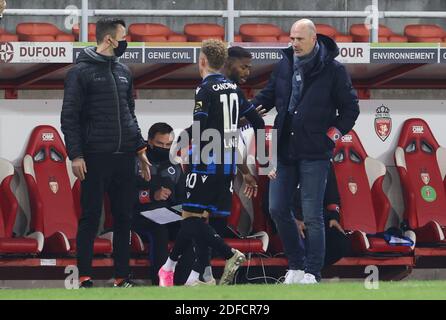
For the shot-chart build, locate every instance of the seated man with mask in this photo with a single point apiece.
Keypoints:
(165, 189)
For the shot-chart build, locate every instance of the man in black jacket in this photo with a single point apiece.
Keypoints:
(167, 188)
(315, 104)
(102, 137)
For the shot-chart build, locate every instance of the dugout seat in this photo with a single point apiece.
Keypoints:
(424, 33)
(364, 205)
(32, 243)
(360, 33)
(197, 32)
(421, 164)
(154, 32)
(54, 193)
(41, 32)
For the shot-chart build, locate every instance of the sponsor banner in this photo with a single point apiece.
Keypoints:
(265, 55)
(404, 55)
(443, 55)
(131, 55)
(354, 53)
(169, 55)
(36, 52)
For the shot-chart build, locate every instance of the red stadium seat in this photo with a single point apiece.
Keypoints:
(5, 36)
(91, 32)
(343, 38)
(54, 193)
(197, 32)
(260, 32)
(424, 33)
(333, 33)
(238, 38)
(31, 244)
(421, 164)
(153, 32)
(364, 205)
(284, 38)
(360, 33)
(41, 32)
(326, 30)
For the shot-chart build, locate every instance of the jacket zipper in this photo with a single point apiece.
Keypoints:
(115, 92)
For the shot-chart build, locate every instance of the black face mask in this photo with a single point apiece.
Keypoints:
(161, 154)
(122, 46)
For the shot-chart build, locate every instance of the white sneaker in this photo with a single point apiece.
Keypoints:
(231, 266)
(293, 276)
(308, 279)
(196, 283)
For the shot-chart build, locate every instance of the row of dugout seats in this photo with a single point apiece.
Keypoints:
(54, 198)
(196, 32)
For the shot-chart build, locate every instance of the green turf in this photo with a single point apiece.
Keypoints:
(339, 290)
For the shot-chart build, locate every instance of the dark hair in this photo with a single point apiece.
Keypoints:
(107, 26)
(238, 53)
(159, 127)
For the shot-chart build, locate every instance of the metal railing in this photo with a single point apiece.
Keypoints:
(230, 14)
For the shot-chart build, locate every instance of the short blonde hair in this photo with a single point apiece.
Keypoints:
(216, 53)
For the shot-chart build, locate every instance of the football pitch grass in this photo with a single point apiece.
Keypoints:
(403, 290)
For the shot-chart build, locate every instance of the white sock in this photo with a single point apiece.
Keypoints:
(207, 275)
(170, 265)
(193, 276)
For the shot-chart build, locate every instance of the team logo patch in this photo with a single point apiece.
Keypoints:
(53, 184)
(48, 136)
(144, 196)
(428, 194)
(352, 186)
(418, 129)
(347, 138)
(383, 122)
(198, 106)
(171, 170)
(425, 177)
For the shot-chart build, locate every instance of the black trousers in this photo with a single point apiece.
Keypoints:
(337, 245)
(196, 230)
(158, 237)
(115, 174)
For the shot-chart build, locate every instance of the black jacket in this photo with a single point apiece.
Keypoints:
(326, 88)
(98, 112)
(164, 174)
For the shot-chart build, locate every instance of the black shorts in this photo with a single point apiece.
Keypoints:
(212, 193)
